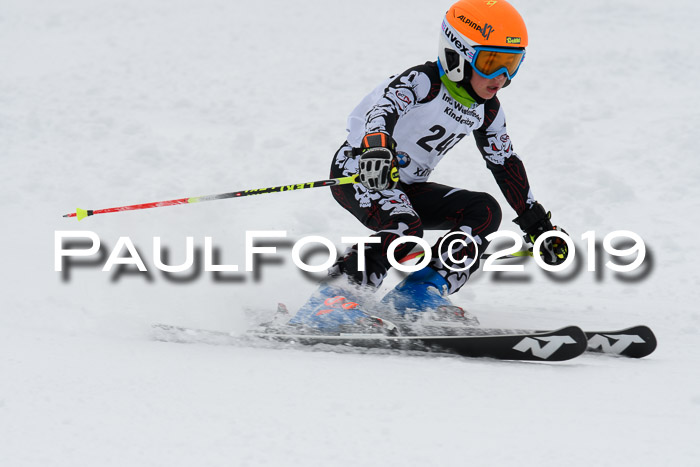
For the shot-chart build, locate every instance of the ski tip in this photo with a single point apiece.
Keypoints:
(634, 342)
(81, 214)
(641, 349)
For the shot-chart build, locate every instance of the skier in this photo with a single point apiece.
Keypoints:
(396, 136)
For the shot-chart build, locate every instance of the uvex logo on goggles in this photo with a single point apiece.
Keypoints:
(455, 40)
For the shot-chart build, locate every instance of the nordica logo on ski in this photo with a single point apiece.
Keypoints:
(552, 344)
(616, 344)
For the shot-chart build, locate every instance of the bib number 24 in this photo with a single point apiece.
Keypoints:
(436, 140)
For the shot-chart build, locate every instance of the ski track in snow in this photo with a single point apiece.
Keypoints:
(113, 103)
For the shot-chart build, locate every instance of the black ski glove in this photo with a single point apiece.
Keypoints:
(536, 221)
(378, 168)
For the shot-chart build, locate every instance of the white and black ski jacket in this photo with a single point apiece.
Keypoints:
(416, 109)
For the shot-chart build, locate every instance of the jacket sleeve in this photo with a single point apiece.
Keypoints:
(497, 150)
(415, 86)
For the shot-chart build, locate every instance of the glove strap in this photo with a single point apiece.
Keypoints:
(377, 140)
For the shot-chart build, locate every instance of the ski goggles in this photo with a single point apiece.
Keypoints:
(490, 62)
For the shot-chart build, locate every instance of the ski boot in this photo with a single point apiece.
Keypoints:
(423, 295)
(334, 307)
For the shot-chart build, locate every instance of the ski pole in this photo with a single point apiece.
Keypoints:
(420, 254)
(83, 213)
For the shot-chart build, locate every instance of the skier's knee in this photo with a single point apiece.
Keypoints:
(492, 212)
(495, 209)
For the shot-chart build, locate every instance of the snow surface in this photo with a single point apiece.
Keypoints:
(107, 103)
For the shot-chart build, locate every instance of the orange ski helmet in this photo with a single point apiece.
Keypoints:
(488, 36)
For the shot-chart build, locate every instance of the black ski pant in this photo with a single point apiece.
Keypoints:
(410, 209)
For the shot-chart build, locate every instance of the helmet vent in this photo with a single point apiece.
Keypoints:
(452, 59)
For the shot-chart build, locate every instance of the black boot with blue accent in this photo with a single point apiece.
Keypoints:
(425, 292)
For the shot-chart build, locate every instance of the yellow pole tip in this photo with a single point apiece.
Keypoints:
(81, 214)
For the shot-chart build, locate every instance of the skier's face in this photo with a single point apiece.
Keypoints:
(487, 88)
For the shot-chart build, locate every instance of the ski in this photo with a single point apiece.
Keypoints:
(507, 344)
(634, 342)
(558, 345)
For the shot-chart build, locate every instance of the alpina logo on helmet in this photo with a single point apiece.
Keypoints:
(485, 31)
(512, 40)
